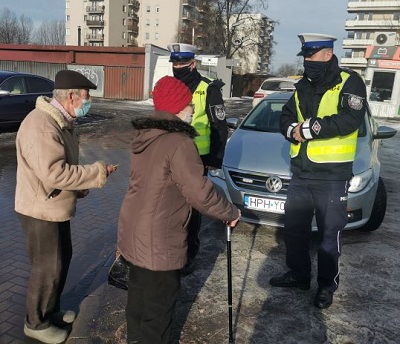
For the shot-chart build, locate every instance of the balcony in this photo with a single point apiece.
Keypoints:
(132, 42)
(94, 37)
(187, 17)
(373, 6)
(133, 28)
(371, 24)
(134, 4)
(189, 3)
(133, 17)
(352, 62)
(95, 9)
(357, 43)
(95, 23)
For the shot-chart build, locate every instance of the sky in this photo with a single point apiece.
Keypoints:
(305, 16)
(294, 16)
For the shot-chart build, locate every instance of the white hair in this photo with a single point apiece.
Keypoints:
(61, 95)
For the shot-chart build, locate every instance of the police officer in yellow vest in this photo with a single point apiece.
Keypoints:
(208, 120)
(321, 121)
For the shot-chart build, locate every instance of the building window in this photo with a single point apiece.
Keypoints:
(148, 9)
(124, 35)
(124, 21)
(157, 9)
(67, 4)
(124, 8)
(147, 35)
(382, 86)
(67, 32)
(67, 17)
(157, 22)
(396, 16)
(156, 36)
(147, 22)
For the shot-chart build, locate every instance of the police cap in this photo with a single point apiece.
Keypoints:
(314, 42)
(181, 52)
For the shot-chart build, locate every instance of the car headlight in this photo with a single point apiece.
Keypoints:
(360, 181)
(218, 173)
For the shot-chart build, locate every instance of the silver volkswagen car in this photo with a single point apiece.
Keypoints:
(256, 168)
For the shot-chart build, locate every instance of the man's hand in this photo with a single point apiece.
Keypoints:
(111, 169)
(296, 133)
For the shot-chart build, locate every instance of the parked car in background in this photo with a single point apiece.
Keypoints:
(272, 85)
(255, 173)
(18, 93)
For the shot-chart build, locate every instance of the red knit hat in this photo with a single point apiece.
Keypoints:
(171, 95)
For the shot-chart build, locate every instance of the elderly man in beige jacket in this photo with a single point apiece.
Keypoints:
(49, 181)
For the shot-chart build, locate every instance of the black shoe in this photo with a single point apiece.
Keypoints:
(323, 299)
(288, 280)
(188, 268)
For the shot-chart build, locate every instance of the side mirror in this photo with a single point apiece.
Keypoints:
(4, 93)
(384, 132)
(232, 122)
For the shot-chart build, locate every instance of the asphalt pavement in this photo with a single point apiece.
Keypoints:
(365, 309)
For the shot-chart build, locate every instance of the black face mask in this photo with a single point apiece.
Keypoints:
(315, 70)
(182, 73)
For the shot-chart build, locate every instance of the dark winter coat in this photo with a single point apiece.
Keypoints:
(347, 120)
(166, 181)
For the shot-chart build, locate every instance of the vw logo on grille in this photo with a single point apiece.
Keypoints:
(273, 184)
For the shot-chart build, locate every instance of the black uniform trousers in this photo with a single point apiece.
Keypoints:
(49, 250)
(328, 201)
(151, 303)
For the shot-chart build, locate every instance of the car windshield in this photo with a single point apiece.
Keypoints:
(266, 117)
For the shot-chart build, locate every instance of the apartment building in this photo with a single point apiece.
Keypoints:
(102, 23)
(125, 23)
(134, 23)
(374, 22)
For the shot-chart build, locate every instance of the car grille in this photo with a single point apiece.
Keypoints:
(256, 182)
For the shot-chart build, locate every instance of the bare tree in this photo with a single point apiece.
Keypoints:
(288, 69)
(234, 17)
(25, 30)
(50, 33)
(14, 30)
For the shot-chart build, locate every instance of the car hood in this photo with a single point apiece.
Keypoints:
(269, 153)
(258, 152)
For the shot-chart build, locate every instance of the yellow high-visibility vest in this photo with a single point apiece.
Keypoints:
(333, 150)
(200, 119)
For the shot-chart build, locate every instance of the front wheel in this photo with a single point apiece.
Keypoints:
(378, 209)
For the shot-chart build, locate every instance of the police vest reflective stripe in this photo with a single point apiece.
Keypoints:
(336, 149)
(200, 119)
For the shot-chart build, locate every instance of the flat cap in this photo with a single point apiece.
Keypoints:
(314, 42)
(181, 52)
(69, 79)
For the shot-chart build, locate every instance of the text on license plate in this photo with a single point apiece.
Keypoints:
(264, 204)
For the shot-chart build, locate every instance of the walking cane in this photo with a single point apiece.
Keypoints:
(229, 259)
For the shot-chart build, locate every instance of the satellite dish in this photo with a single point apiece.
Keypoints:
(381, 38)
(237, 42)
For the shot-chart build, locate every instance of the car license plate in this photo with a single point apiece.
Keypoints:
(264, 204)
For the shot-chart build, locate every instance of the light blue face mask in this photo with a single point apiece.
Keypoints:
(82, 111)
(188, 118)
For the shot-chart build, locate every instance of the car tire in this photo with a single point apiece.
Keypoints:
(378, 209)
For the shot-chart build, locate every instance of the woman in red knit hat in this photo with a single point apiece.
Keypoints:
(166, 181)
